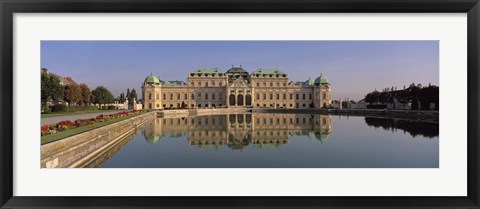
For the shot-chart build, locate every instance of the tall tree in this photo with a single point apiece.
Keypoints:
(122, 97)
(133, 95)
(72, 93)
(102, 95)
(128, 94)
(86, 94)
(51, 89)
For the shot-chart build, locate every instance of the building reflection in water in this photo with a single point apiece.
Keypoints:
(414, 128)
(237, 131)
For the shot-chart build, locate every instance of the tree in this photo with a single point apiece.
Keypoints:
(122, 97)
(128, 94)
(72, 93)
(86, 94)
(51, 89)
(133, 95)
(429, 95)
(102, 95)
(373, 97)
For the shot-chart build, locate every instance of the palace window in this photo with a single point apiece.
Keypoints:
(297, 96)
(192, 84)
(206, 84)
(258, 84)
(303, 96)
(164, 97)
(278, 96)
(264, 96)
(258, 96)
(157, 96)
(291, 96)
(193, 96)
(271, 84)
(278, 84)
(324, 96)
(185, 97)
(149, 95)
(206, 96)
(264, 84)
(309, 96)
(284, 84)
(271, 96)
(213, 96)
(284, 96)
(200, 84)
(199, 95)
(178, 96)
(171, 96)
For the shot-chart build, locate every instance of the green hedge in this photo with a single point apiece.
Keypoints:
(64, 108)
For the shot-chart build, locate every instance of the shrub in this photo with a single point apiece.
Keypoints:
(59, 108)
(64, 108)
(111, 107)
(377, 106)
(47, 109)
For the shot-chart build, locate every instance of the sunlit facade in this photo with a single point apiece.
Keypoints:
(213, 88)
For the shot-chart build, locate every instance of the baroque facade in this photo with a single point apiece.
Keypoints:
(213, 88)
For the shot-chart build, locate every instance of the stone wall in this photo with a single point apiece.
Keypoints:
(73, 150)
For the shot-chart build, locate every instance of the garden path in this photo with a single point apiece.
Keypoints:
(52, 120)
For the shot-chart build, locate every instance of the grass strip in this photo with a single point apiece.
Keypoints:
(74, 131)
(49, 115)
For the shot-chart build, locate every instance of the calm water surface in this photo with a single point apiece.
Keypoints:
(278, 141)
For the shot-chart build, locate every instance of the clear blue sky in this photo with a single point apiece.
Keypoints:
(354, 68)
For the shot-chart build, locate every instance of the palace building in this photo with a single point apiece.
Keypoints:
(213, 88)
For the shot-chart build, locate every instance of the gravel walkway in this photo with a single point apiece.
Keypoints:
(52, 120)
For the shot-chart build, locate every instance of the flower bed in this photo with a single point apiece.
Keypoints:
(65, 125)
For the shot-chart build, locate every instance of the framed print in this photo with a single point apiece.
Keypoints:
(194, 104)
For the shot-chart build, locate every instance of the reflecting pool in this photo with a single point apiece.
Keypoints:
(277, 141)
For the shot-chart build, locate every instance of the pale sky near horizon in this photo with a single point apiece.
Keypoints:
(353, 68)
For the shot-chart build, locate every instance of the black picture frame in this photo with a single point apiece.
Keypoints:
(10, 7)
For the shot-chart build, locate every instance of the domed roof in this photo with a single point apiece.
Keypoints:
(151, 79)
(321, 80)
(236, 70)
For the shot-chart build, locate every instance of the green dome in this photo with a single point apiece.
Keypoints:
(151, 79)
(321, 80)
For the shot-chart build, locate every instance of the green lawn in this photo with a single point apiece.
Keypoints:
(70, 132)
(55, 114)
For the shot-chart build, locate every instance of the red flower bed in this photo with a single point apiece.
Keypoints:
(65, 125)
